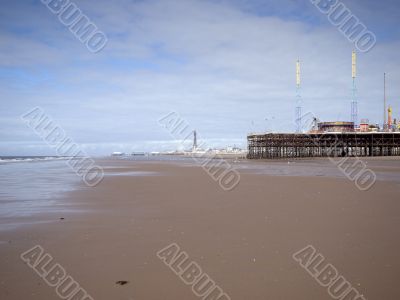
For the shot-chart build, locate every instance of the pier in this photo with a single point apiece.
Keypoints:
(298, 145)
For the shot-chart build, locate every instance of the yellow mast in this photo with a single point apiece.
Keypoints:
(353, 64)
(389, 117)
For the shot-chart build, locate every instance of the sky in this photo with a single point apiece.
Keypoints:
(227, 67)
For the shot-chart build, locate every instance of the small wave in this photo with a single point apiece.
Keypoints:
(4, 160)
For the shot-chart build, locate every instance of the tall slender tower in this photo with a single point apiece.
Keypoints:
(354, 104)
(298, 99)
(384, 101)
(194, 141)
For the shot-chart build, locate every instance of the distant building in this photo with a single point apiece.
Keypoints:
(364, 125)
(117, 154)
(339, 126)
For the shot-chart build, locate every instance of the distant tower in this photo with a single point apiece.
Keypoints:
(384, 101)
(194, 141)
(354, 104)
(298, 99)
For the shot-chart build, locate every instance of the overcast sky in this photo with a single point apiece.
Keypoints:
(227, 67)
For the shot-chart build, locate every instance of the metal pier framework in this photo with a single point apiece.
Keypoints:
(298, 145)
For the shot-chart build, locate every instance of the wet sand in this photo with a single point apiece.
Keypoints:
(244, 239)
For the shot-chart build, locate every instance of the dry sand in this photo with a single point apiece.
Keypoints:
(244, 239)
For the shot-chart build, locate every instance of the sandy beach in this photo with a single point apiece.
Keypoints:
(243, 239)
